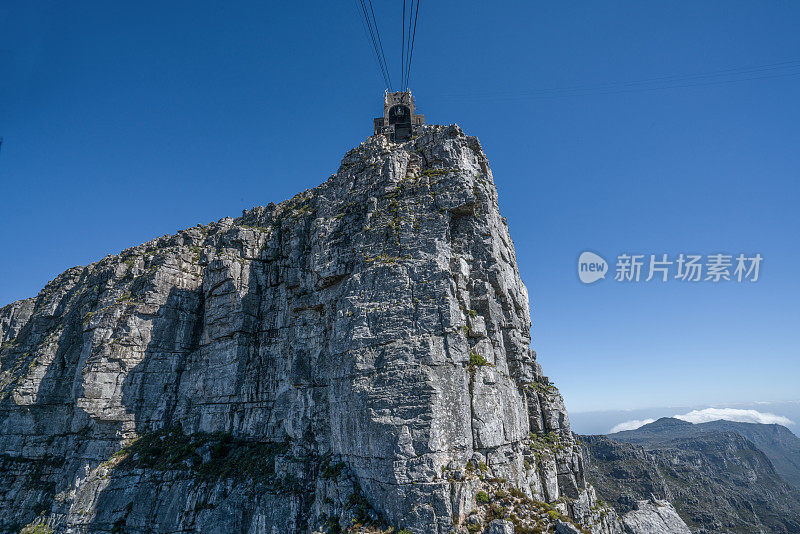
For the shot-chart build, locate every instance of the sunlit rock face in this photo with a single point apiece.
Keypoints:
(356, 355)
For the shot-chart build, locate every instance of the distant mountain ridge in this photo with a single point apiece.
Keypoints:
(717, 478)
(777, 442)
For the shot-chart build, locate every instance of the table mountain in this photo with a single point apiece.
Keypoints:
(354, 358)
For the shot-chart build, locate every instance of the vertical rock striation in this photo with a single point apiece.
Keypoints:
(357, 355)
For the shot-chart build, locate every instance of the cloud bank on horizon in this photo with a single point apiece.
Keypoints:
(734, 414)
(713, 414)
(633, 424)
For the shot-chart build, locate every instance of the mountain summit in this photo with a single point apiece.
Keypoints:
(356, 357)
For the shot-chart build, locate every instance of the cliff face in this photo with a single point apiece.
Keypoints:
(358, 354)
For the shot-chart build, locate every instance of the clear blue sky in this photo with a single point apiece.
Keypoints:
(645, 127)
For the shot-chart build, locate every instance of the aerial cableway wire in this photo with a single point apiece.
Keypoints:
(408, 41)
(374, 36)
(370, 24)
(403, 48)
(375, 23)
(411, 36)
(372, 32)
(366, 33)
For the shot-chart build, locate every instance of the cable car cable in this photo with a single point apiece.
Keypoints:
(372, 38)
(366, 33)
(378, 33)
(375, 48)
(413, 38)
(411, 52)
(403, 46)
(407, 41)
(384, 71)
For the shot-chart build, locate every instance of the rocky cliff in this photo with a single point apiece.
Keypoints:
(356, 357)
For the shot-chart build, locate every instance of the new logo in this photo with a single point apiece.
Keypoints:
(591, 267)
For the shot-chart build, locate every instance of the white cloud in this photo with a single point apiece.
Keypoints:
(633, 424)
(733, 414)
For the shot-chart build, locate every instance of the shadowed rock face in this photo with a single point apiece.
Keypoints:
(624, 473)
(357, 353)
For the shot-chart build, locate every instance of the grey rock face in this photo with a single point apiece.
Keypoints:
(14, 317)
(654, 517)
(499, 526)
(356, 355)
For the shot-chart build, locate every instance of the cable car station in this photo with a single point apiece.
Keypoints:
(400, 119)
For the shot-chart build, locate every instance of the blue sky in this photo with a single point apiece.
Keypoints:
(637, 127)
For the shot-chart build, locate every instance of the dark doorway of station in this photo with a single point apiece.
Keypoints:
(400, 118)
